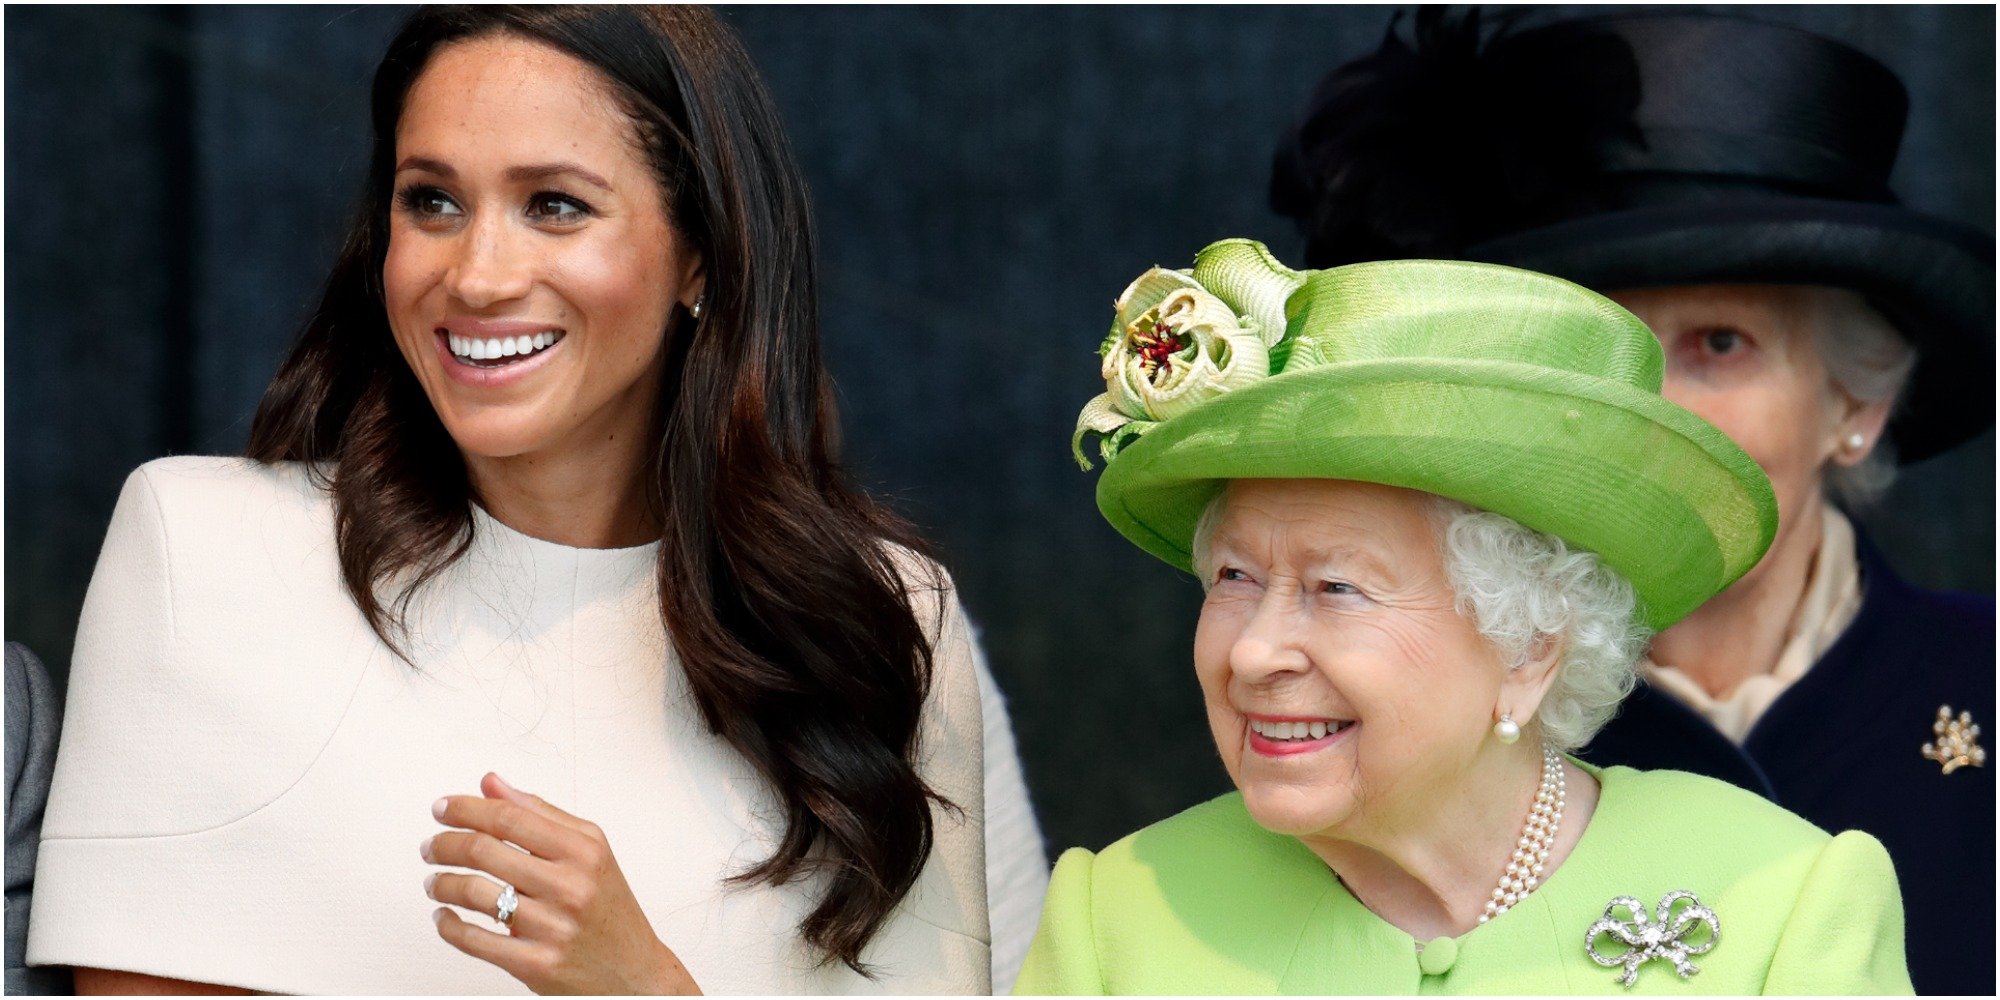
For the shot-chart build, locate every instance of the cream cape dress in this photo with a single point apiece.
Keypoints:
(246, 771)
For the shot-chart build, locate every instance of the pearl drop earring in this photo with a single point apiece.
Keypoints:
(700, 306)
(1507, 730)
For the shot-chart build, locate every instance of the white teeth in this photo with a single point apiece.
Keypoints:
(1295, 730)
(475, 349)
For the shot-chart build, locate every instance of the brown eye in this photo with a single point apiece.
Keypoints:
(426, 202)
(556, 207)
(1721, 341)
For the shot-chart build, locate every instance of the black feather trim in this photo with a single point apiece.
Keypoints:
(1426, 147)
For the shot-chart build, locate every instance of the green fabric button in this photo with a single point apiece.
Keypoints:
(1437, 957)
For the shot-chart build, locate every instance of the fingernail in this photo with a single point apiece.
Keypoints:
(437, 915)
(503, 782)
(424, 849)
(430, 885)
(437, 808)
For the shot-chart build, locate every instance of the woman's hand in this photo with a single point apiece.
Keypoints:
(576, 928)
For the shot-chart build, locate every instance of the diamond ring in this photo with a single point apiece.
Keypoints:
(503, 909)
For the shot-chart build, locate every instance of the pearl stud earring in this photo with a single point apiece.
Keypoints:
(1507, 730)
(1855, 441)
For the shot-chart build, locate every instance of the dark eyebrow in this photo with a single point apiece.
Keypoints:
(530, 172)
(543, 171)
(426, 165)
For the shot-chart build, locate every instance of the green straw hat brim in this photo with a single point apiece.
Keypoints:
(1662, 497)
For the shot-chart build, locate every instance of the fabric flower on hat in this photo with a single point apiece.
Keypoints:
(1184, 337)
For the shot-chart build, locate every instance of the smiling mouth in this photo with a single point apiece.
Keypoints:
(499, 352)
(1299, 732)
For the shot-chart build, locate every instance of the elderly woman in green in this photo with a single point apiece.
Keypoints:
(1438, 508)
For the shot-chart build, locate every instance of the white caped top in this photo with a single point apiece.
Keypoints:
(246, 771)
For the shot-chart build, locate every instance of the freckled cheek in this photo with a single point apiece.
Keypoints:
(411, 273)
(623, 297)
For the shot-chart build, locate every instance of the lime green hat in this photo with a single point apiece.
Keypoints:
(1508, 390)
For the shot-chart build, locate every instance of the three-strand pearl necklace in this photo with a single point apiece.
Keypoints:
(1538, 836)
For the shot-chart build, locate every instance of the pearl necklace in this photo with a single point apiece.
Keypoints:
(1531, 852)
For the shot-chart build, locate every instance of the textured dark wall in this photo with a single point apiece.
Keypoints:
(985, 182)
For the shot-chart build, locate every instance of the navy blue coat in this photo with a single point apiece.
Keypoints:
(1842, 749)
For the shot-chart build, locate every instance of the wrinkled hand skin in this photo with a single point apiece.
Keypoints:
(577, 928)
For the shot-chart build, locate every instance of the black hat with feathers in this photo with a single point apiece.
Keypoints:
(1644, 150)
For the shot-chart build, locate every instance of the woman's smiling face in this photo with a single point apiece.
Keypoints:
(1329, 610)
(532, 268)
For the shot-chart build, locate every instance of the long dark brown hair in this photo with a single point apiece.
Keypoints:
(785, 606)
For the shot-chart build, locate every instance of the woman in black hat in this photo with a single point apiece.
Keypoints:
(1727, 181)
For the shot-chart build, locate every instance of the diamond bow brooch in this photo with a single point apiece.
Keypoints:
(1675, 936)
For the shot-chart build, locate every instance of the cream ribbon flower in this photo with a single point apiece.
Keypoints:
(1182, 338)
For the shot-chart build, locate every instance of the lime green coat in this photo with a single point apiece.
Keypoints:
(1210, 902)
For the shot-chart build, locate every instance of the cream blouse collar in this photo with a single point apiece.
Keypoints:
(1832, 599)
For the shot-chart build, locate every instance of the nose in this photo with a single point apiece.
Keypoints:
(492, 265)
(1271, 643)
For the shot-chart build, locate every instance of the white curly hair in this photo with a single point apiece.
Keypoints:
(1517, 586)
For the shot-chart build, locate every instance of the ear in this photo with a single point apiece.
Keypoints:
(1526, 684)
(1855, 417)
(694, 272)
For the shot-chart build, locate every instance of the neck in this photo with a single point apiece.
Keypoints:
(1739, 633)
(1430, 873)
(590, 497)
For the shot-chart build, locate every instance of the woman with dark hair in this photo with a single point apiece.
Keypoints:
(547, 489)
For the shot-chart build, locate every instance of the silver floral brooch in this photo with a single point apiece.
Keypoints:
(1675, 936)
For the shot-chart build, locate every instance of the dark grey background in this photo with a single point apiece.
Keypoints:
(985, 182)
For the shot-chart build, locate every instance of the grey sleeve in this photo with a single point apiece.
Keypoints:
(34, 719)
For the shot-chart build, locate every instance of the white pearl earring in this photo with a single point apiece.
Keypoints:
(700, 306)
(1855, 441)
(1506, 730)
